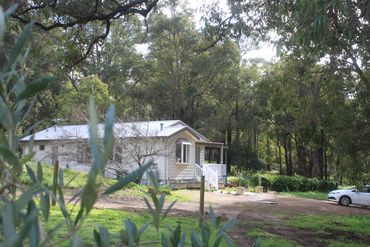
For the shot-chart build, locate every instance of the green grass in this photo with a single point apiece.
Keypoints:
(113, 220)
(72, 179)
(270, 240)
(329, 223)
(308, 195)
(178, 195)
(76, 180)
(345, 243)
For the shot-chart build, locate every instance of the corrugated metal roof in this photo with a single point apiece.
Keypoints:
(163, 128)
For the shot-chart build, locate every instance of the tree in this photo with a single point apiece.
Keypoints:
(134, 147)
(73, 16)
(73, 103)
(181, 83)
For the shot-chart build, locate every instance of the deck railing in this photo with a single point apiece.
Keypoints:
(211, 175)
(220, 168)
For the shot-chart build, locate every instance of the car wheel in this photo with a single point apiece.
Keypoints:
(345, 201)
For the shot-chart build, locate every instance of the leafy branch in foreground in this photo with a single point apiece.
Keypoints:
(26, 208)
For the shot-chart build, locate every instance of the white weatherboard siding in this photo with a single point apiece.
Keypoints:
(154, 139)
(67, 154)
(134, 151)
(181, 171)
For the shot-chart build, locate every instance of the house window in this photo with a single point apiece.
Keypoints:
(42, 147)
(182, 151)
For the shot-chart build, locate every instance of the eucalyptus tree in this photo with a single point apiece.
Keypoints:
(182, 82)
(312, 113)
(86, 22)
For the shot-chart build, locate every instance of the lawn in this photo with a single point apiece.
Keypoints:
(267, 239)
(291, 228)
(113, 220)
(336, 230)
(331, 223)
(76, 180)
(308, 195)
(72, 179)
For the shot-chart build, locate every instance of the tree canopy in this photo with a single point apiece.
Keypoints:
(307, 113)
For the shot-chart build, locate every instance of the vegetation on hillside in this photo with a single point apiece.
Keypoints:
(305, 113)
(28, 206)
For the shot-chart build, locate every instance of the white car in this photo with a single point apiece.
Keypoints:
(351, 196)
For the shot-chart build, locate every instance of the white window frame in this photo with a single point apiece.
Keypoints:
(185, 152)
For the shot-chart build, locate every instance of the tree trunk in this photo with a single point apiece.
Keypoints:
(268, 152)
(325, 164)
(279, 155)
(237, 153)
(255, 149)
(301, 158)
(288, 155)
(320, 154)
(310, 164)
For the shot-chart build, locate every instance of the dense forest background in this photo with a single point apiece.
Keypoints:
(306, 113)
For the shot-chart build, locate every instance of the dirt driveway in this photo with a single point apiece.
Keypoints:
(265, 210)
(234, 205)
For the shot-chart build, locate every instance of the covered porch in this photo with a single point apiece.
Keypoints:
(210, 161)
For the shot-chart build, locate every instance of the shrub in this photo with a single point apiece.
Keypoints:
(286, 183)
(282, 183)
(264, 180)
(233, 181)
(165, 189)
(326, 185)
(309, 184)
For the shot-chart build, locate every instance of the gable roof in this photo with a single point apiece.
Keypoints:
(165, 128)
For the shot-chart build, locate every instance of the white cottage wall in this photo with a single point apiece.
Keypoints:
(67, 154)
(178, 171)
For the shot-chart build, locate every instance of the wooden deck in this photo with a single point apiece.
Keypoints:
(184, 184)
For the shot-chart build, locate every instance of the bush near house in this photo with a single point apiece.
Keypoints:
(233, 181)
(290, 183)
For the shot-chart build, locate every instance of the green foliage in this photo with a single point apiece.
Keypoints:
(309, 194)
(291, 183)
(176, 238)
(73, 179)
(269, 239)
(20, 215)
(158, 200)
(233, 181)
(25, 207)
(131, 235)
(74, 102)
(327, 223)
(213, 233)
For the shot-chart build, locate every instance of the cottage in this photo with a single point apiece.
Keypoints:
(180, 153)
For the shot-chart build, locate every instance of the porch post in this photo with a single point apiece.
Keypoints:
(222, 155)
